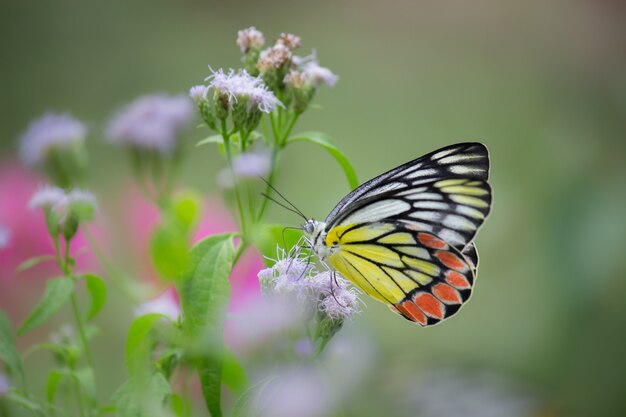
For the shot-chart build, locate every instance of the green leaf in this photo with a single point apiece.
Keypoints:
(187, 209)
(210, 374)
(233, 374)
(97, 290)
(169, 249)
(8, 350)
(34, 261)
(326, 142)
(23, 401)
(269, 238)
(243, 405)
(204, 288)
(180, 406)
(217, 139)
(86, 379)
(205, 291)
(54, 379)
(138, 343)
(142, 397)
(58, 291)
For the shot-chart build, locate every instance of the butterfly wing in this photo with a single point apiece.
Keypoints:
(420, 276)
(444, 192)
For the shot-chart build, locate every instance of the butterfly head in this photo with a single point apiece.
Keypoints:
(315, 234)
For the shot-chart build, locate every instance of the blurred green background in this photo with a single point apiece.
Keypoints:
(542, 84)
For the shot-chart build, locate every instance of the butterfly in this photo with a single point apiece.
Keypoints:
(406, 237)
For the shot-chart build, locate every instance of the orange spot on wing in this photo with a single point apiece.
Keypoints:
(411, 311)
(457, 280)
(429, 305)
(431, 241)
(446, 293)
(451, 260)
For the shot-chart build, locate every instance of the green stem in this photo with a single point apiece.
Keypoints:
(81, 331)
(79, 321)
(79, 398)
(128, 287)
(229, 161)
(279, 144)
(240, 250)
(292, 123)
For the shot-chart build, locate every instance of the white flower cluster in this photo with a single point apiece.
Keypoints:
(309, 70)
(293, 275)
(151, 122)
(50, 197)
(48, 132)
(250, 38)
(240, 85)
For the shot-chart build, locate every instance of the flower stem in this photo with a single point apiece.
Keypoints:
(229, 160)
(279, 143)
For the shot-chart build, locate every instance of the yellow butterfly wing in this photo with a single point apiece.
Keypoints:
(406, 236)
(420, 276)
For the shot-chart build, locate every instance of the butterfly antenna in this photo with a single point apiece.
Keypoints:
(283, 197)
(297, 212)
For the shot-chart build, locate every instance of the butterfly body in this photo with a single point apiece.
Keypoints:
(406, 237)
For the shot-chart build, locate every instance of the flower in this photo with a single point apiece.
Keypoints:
(250, 38)
(302, 391)
(48, 197)
(295, 79)
(252, 164)
(317, 75)
(48, 132)
(151, 122)
(241, 86)
(337, 300)
(30, 238)
(65, 334)
(294, 275)
(278, 56)
(5, 384)
(287, 275)
(82, 204)
(77, 196)
(198, 93)
(166, 304)
(5, 236)
(139, 218)
(289, 40)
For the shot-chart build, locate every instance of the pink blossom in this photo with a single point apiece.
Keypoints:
(139, 218)
(28, 237)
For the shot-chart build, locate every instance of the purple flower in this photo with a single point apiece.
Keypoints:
(151, 122)
(235, 86)
(303, 392)
(47, 132)
(273, 58)
(252, 164)
(318, 75)
(5, 384)
(250, 38)
(326, 291)
(198, 93)
(47, 197)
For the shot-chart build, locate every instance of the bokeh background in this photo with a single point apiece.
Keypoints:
(542, 84)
